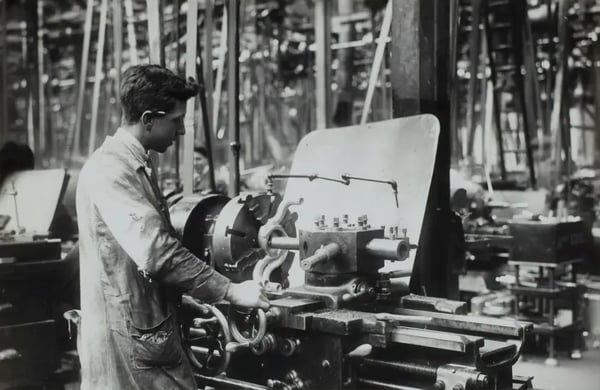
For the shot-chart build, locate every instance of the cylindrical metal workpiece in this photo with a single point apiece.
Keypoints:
(322, 254)
(388, 249)
(284, 243)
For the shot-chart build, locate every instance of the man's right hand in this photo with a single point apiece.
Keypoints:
(247, 294)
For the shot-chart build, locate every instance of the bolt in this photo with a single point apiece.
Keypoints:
(345, 218)
(404, 230)
(458, 386)
(483, 381)
(336, 222)
(325, 364)
(439, 385)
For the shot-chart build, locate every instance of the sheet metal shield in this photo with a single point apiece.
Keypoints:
(401, 149)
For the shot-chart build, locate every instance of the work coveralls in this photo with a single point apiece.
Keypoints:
(133, 271)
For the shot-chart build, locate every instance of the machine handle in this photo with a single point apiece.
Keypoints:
(323, 254)
(9, 354)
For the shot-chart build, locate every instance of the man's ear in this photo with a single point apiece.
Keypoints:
(147, 119)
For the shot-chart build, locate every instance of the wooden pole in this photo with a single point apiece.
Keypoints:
(220, 71)
(233, 92)
(74, 138)
(475, 49)
(343, 111)
(208, 58)
(98, 76)
(378, 60)
(4, 76)
(131, 37)
(596, 89)
(157, 54)
(556, 116)
(456, 146)
(323, 62)
(40, 78)
(189, 120)
(33, 75)
(117, 19)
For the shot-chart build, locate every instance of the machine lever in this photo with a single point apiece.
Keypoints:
(235, 346)
(360, 351)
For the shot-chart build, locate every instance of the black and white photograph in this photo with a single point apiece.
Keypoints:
(299, 194)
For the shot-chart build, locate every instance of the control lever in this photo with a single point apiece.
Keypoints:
(9, 354)
(360, 351)
(235, 346)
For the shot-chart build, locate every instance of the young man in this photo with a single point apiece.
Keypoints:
(133, 267)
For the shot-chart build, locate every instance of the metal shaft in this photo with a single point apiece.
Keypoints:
(323, 254)
(388, 249)
(284, 243)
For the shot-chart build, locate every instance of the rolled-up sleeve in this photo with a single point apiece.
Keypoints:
(138, 227)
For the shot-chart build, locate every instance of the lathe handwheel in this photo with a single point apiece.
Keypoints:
(256, 334)
(205, 341)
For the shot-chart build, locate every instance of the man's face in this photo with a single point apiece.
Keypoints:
(165, 129)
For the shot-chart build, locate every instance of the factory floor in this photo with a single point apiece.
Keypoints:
(583, 374)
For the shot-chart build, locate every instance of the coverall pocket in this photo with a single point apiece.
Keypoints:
(158, 346)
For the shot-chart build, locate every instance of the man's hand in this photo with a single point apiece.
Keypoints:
(247, 294)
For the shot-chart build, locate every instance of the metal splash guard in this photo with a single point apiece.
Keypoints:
(402, 150)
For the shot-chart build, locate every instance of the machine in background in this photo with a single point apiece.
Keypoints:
(31, 271)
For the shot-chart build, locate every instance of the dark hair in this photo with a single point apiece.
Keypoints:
(154, 88)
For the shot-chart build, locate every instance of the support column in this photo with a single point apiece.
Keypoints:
(323, 62)
(117, 17)
(233, 92)
(3, 75)
(420, 71)
(208, 57)
(345, 98)
(191, 45)
(596, 80)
